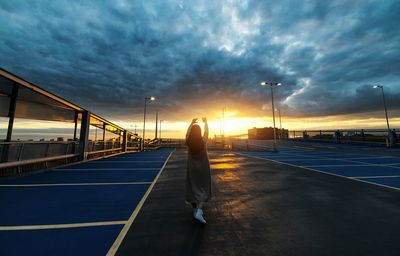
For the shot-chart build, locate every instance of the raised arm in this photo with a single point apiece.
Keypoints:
(190, 127)
(205, 136)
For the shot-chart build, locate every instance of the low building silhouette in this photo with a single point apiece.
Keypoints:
(267, 133)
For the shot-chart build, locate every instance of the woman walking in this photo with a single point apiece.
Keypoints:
(198, 178)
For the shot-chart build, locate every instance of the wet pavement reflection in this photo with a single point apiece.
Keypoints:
(224, 161)
(261, 207)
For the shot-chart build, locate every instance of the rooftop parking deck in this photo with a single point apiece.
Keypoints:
(264, 207)
(263, 204)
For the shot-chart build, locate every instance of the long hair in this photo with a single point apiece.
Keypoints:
(195, 142)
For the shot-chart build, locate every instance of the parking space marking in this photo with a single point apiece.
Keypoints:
(325, 156)
(58, 226)
(373, 177)
(129, 161)
(75, 184)
(109, 169)
(333, 165)
(304, 147)
(103, 201)
(113, 249)
(138, 157)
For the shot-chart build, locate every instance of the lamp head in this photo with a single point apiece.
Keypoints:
(377, 86)
(152, 98)
(263, 83)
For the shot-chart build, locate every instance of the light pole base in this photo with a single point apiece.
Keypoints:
(274, 148)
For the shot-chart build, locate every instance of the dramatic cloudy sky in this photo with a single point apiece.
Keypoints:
(198, 56)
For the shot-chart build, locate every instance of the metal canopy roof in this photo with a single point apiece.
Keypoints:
(34, 88)
(34, 102)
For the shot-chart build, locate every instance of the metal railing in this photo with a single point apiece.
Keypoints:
(172, 142)
(242, 144)
(133, 145)
(365, 136)
(102, 148)
(28, 150)
(19, 157)
(96, 146)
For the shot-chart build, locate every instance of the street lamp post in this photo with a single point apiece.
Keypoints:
(384, 104)
(156, 132)
(280, 119)
(144, 119)
(280, 123)
(273, 109)
(160, 128)
(223, 121)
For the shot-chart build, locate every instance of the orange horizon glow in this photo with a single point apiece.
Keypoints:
(234, 124)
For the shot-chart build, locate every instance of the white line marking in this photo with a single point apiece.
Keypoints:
(55, 226)
(106, 161)
(319, 159)
(372, 177)
(295, 159)
(304, 147)
(344, 159)
(338, 165)
(315, 170)
(371, 164)
(139, 157)
(371, 157)
(348, 153)
(325, 147)
(127, 226)
(107, 169)
(74, 184)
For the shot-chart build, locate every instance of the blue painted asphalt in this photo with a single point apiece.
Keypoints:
(71, 241)
(380, 170)
(384, 161)
(391, 182)
(115, 165)
(84, 176)
(360, 171)
(316, 161)
(366, 146)
(60, 197)
(68, 204)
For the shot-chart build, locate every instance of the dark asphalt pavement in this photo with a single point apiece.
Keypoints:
(266, 208)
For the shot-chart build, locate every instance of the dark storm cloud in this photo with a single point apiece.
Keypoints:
(196, 54)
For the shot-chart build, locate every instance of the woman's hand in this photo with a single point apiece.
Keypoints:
(194, 120)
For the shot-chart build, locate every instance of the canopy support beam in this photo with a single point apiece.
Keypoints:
(11, 115)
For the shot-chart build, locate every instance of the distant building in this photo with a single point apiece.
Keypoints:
(267, 133)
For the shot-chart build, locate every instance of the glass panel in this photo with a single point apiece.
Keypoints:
(3, 128)
(5, 86)
(96, 122)
(34, 130)
(39, 111)
(4, 105)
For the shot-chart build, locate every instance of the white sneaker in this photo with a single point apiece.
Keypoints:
(198, 215)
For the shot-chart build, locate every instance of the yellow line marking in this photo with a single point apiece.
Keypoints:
(55, 226)
(127, 226)
(74, 184)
